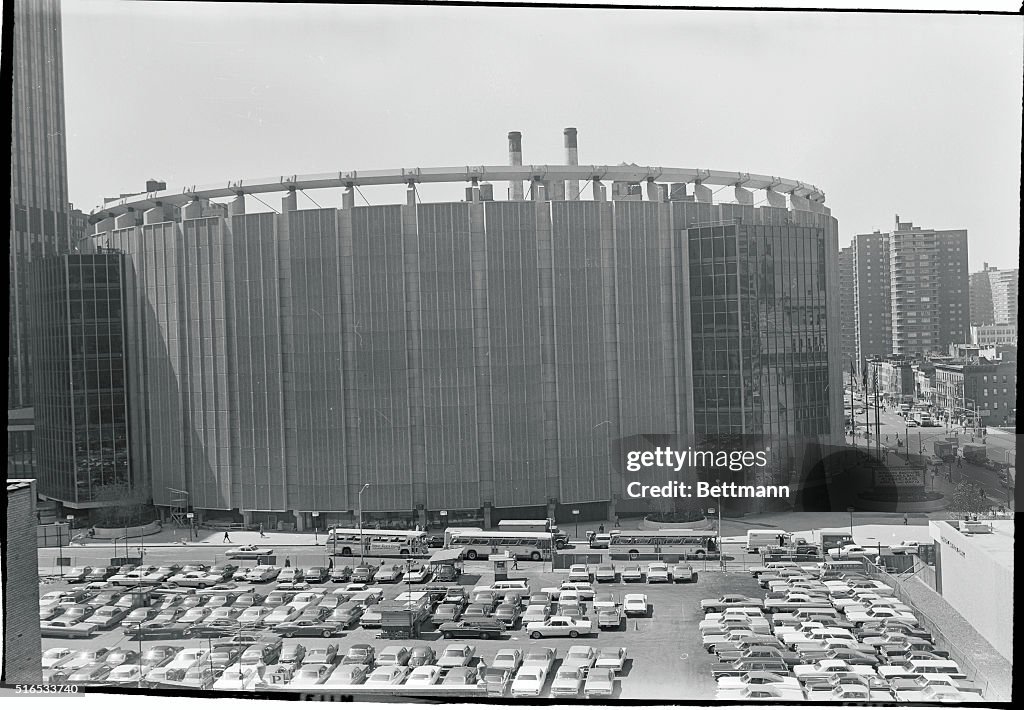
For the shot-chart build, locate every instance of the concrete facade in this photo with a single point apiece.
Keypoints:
(462, 356)
(848, 306)
(994, 294)
(962, 560)
(22, 653)
(988, 387)
(872, 309)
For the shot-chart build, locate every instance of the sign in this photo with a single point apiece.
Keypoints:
(711, 511)
(900, 477)
(575, 511)
(189, 515)
(71, 517)
(444, 512)
(315, 514)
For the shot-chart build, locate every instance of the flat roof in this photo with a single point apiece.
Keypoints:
(997, 544)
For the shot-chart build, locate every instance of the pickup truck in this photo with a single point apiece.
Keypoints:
(560, 626)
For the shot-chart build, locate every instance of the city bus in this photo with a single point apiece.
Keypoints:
(477, 543)
(686, 543)
(548, 525)
(377, 543)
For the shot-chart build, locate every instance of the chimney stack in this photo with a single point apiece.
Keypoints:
(515, 157)
(572, 187)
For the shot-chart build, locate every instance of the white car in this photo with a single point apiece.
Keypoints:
(848, 551)
(878, 613)
(417, 575)
(387, 675)
(199, 580)
(760, 693)
(529, 681)
(657, 572)
(424, 675)
(456, 654)
(579, 573)
(614, 658)
(635, 604)
(310, 674)
(536, 613)
(254, 615)
(756, 678)
(904, 547)
(560, 626)
(126, 674)
(540, 657)
(55, 657)
(281, 614)
(828, 667)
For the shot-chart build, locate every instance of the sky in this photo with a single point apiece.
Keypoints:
(910, 114)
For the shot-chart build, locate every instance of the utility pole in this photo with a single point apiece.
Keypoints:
(359, 497)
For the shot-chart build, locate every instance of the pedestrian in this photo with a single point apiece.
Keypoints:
(481, 669)
(616, 521)
(287, 562)
(262, 534)
(515, 563)
(905, 518)
(330, 563)
(226, 538)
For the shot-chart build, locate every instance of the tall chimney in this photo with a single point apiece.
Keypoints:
(515, 157)
(572, 187)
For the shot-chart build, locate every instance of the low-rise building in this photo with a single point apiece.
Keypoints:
(987, 387)
(994, 334)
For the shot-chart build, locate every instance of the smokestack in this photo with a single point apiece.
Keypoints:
(572, 187)
(515, 157)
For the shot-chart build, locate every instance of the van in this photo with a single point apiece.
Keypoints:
(756, 539)
(832, 566)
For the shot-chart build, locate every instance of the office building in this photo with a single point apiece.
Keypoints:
(930, 293)
(982, 310)
(847, 307)
(78, 354)
(23, 651)
(996, 334)
(994, 296)
(872, 286)
(478, 357)
(986, 388)
(895, 377)
(39, 191)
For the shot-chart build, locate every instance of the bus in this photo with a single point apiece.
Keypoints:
(479, 543)
(378, 543)
(686, 543)
(548, 525)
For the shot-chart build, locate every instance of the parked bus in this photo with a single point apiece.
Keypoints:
(482, 543)
(378, 543)
(687, 543)
(548, 525)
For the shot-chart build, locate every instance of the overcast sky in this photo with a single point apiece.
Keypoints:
(918, 115)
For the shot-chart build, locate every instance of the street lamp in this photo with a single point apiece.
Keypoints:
(315, 514)
(359, 498)
(850, 511)
(576, 514)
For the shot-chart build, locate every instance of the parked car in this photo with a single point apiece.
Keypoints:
(422, 656)
(605, 572)
(529, 681)
(77, 574)
(346, 615)
(579, 573)
(560, 626)
(417, 574)
(101, 574)
(486, 628)
(635, 605)
(611, 657)
(657, 572)
(568, 682)
(317, 575)
(508, 614)
(462, 675)
(683, 573)
(458, 654)
(308, 627)
(107, 617)
(348, 674)
(360, 654)
(424, 675)
(600, 683)
(387, 675)
(632, 573)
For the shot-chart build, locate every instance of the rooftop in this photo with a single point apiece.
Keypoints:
(997, 544)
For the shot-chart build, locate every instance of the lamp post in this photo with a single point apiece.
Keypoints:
(850, 511)
(139, 637)
(359, 498)
(189, 517)
(315, 514)
(576, 515)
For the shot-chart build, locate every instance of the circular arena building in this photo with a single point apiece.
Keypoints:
(483, 357)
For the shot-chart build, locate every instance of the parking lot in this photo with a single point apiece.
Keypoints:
(666, 659)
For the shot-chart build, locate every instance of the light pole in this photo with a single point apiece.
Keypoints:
(139, 635)
(359, 498)
(576, 515)
(850, 511)
(316, 515)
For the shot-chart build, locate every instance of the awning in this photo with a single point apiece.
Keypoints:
(446, 556)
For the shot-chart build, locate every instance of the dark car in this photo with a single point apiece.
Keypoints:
(266, 652)
(106, 598)
(156, 629)
(278, 598)
(223, 655)
(435, 541)
(212, 629)
(447, 573)
(101, 574)
(314, 613)
(460, 675)
(308, 627)
(346, 614)
(422, 656)
(483, 628)
(224, 571)
(244, 601)
(317, 575)
(364, 573)
(508, 614)
(361, 653)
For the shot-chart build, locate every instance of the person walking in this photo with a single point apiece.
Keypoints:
(515, 563)
(262, 534)
(226, 538)
(905, 518)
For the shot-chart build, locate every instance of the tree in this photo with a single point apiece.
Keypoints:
(132, 508)
(968, 497)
